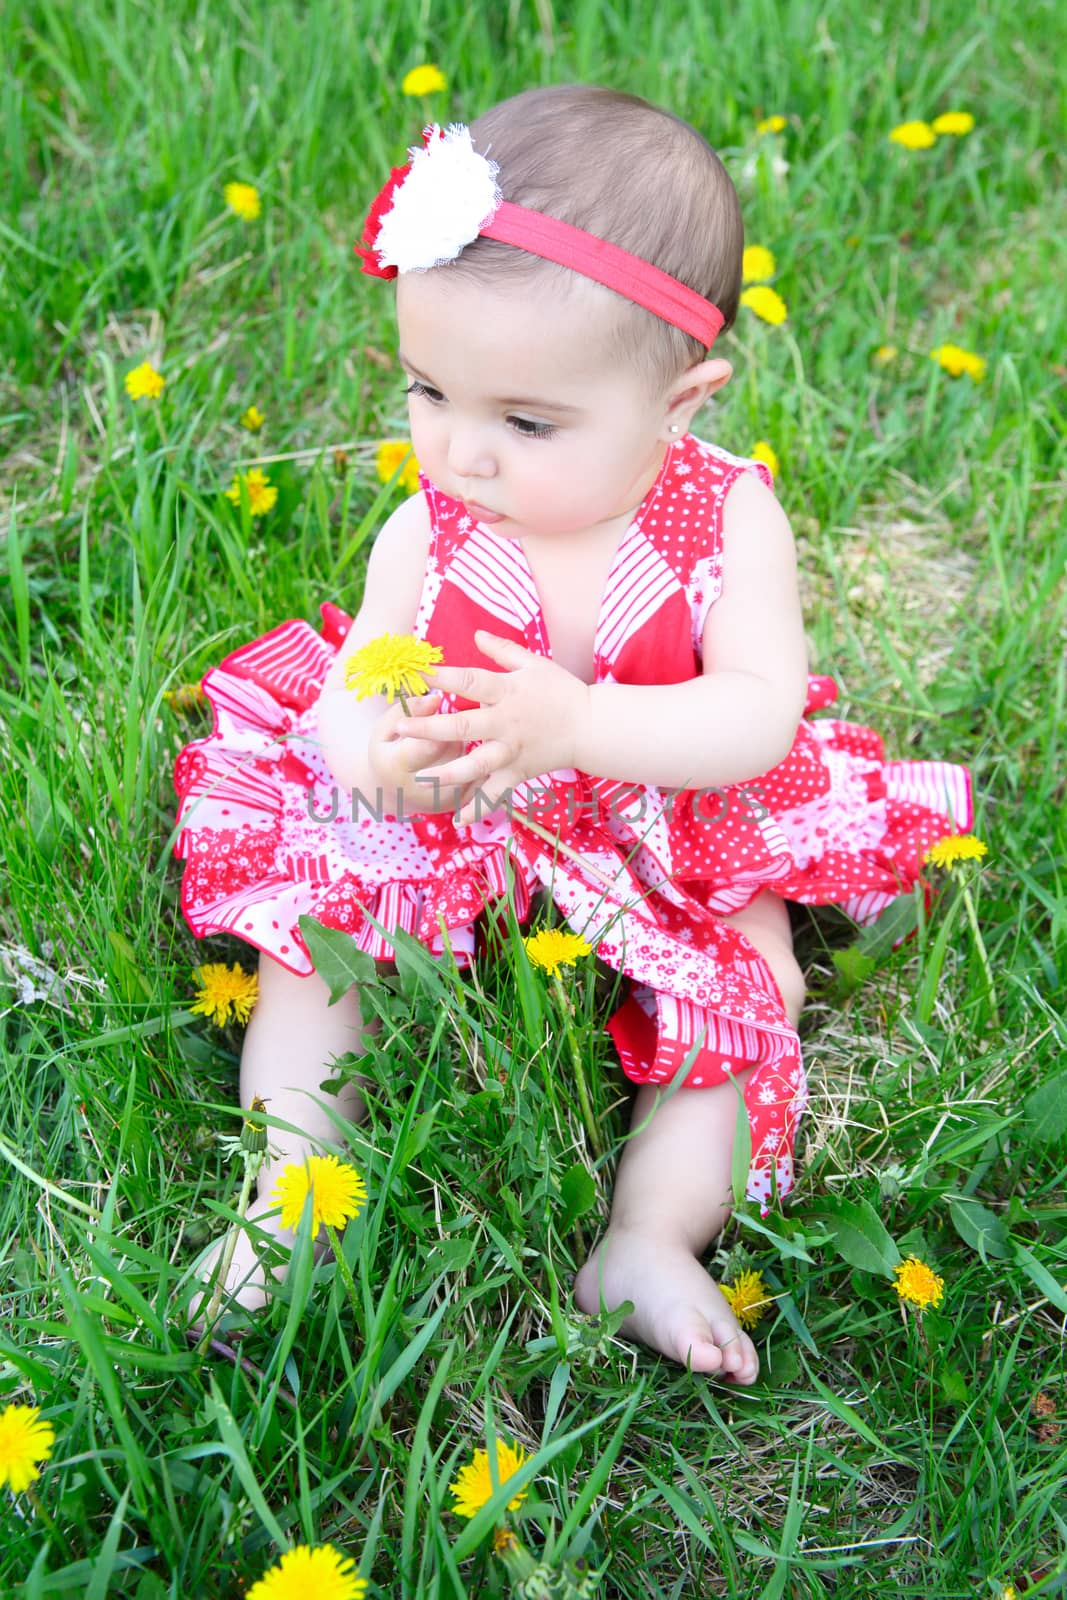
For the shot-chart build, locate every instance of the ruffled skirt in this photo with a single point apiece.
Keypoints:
(645, 875)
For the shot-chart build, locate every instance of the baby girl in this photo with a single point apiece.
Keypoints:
(621, 714)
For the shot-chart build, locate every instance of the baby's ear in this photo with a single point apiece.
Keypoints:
(695, 386)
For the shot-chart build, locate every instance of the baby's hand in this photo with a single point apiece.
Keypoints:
(395, 758)
(527, 718)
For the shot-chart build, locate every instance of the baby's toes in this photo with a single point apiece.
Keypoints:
(739, 1359)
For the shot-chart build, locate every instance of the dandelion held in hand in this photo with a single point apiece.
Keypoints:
(304, 1572)
(24, 1441)
(224, 991)
(392, 664)
(473, 1485)
(337, 1190)
(748, 1298)
(918, 1284)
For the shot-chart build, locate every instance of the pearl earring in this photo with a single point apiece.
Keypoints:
(673, 427)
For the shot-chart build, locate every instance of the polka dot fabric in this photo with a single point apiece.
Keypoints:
(645, 874)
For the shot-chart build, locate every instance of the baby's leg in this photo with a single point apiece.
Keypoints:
(292, 1036)
(672, 1197)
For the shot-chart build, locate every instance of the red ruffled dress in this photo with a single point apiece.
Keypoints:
(645, 874)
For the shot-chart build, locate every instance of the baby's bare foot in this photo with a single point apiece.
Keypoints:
(248, 1280)
(678, 1309)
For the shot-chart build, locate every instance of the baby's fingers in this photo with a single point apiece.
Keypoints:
(478, 766)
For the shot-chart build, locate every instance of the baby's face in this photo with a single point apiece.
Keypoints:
(523, 417)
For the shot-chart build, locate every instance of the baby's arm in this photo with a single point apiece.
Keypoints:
(359, 738)
(733, 723)
(740, 718)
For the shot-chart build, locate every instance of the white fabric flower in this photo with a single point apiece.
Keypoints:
(442, 203)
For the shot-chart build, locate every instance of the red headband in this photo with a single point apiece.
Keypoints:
(447, 195)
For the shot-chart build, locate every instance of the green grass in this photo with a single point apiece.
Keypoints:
(931, 518)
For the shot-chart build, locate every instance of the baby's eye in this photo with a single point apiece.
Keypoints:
(415, 387)
(531, 430)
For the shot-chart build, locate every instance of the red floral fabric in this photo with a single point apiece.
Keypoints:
(645, 874)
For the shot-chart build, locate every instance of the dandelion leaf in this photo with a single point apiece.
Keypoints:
(1045, 1110)
(979, 1227)
(337, 961)
(578, 1193)
(858, 1233)
(896, 923)
(853, 967)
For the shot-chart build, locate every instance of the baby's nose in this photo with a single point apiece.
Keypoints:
(469, 455)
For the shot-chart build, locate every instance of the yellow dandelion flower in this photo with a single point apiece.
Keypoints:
(243, 198)
(391, 452)
(144, 382)
(918, 1283)
(261, 493)
(956, 362)
(765, 452)
(766, 302)
(773, 124)
(955, 847)
(551, 949)
(424, 80)
(504, 1540)
(392, 664)
(757, 263)
(224, 989)
(253, 419)
(748, 1298)
(186, 697)
(24, 1441)
(323, 1572)
(914, 135)
(953, 122)
(884, 354)
(1008, 1593)
(337, 1192)
(473, 1484)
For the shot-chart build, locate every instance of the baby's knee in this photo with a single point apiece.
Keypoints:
(790, 980)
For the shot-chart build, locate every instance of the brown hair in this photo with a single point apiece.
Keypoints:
(628, 172)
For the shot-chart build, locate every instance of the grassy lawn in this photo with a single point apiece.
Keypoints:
(881, 1451)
